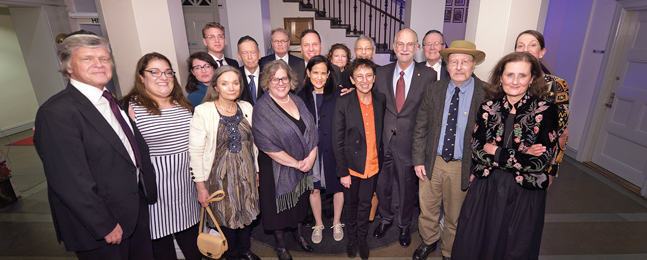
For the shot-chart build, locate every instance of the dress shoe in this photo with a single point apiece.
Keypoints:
(309, 221)
(303, 243)
(363, 249)
(249, 256)
(351, 248)
(381, 229)
(405, 237)
(423, 251)
(283, 253)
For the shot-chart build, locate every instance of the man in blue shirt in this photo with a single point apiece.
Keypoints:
(441, 152)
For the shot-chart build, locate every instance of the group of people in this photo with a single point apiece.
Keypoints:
(280, 133)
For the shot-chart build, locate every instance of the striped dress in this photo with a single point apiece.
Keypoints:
(167, 136)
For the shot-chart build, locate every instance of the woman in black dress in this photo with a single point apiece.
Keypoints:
(286, 134)
(503, 213)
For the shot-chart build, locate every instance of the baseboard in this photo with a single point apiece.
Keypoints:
(14, 129)
(570, 152)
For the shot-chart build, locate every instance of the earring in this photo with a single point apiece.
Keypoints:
(529, 86)
(500, 84)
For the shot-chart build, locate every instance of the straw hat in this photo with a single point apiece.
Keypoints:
(465, 47)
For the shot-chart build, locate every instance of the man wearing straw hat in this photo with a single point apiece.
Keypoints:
(441, 145)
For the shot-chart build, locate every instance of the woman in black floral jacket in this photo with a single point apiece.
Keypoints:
(513, 141)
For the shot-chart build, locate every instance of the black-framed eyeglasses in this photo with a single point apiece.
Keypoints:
(276, 81)
(158, 73)
(198, 67)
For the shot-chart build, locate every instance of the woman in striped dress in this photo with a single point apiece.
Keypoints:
(163, 114)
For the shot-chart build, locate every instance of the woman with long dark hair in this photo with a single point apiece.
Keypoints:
(201, 68)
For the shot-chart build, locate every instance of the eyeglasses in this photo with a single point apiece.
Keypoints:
(205, 66)
(409, 45)
(276, 81)
(249, 54)
(454, 63)
(367, 77)
(367, 49)
(158, 73)
(279, 41)
(213, 37)
(433, 44)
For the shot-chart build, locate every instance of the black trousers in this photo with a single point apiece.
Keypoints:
(357, 206)
(164, 249)
(401, 174)
(137, 246)
(239, 240)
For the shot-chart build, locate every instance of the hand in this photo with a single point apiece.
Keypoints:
(345, 91)
(420, 172)
(471, 179)
(490, 148)
(306, 164)
(203, 195)
(345, 181)
(115, 236)
(550, 181)
(563, 139)
(535, 150)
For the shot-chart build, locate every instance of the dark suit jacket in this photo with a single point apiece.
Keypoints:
(406, 119)
(231, 62)
(246, 93)
(428, 126)
(349, 136)
(443, 69)
(293, 60)
(91, 179)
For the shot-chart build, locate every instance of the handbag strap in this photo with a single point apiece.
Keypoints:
(216, 196)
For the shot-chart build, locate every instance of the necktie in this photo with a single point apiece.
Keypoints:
(399, 92)
(124, 126)
(219, 63)
(252, 87)
(450, 129)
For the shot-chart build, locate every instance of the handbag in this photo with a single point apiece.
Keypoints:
(208, 244)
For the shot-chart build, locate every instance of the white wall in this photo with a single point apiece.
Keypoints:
(245, 17)
(422, 16)
(16, 88)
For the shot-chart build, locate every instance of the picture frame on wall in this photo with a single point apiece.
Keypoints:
(296, 25)
(459, 2)
(458, 15)
(448, 14)
(448, 2)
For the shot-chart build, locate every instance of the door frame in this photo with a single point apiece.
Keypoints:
(606, 78)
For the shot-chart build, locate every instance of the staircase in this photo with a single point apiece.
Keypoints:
(378, 19)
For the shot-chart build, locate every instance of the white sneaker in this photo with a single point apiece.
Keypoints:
(337, 231)
(317, 234)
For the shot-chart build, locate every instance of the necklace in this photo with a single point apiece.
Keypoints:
(277, 100)
(227, 110)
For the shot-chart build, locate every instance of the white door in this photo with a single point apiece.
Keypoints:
(195, 17)
(622, 143)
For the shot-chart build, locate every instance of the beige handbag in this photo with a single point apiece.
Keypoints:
(210, 245)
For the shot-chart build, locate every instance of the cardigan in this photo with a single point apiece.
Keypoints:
(535, 122)
(202, 138)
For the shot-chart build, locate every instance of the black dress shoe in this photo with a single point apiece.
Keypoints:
(309, 221)
(303, 243)
(283, 253)
(351, 249)
(381, 229)
(405, 237)
(423, 251)
(363, 249)
(249, 256)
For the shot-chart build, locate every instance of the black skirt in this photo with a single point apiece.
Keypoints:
(500, 220)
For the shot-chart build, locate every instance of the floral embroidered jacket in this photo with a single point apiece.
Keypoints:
(535, 122)
(558, 94)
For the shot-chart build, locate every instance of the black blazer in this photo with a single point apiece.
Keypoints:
(245, 92)
(230, 62)
(91, 179)
(292, 60)
(443, 69)
(349, 136)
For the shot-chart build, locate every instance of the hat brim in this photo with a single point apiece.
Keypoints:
(479, 56)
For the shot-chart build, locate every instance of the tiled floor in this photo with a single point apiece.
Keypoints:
(587, 217)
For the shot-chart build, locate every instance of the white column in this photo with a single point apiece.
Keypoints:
(422, 16)
(494, 25)
(137, 27)
(245, 17)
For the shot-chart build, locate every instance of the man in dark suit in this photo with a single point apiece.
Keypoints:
(310, 47)
(432, 44)
(248, 52)
(213, 36)
(442, 154)
(364, 48)
(99, 174)
(281, 45)
(403, 83)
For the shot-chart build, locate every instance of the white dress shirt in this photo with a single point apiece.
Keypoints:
(256, 74)
(224, 61)
(437, 67)
(285, 58)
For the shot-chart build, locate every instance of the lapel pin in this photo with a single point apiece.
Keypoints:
(418, 74)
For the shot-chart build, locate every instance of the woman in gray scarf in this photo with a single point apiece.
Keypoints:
(285, 132)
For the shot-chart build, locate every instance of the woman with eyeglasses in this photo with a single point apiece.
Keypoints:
(162, 114)
(223, 157)
(201, 68)
(286, 133)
